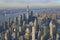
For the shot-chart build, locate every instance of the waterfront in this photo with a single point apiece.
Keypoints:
(17, 11)
(30, 25)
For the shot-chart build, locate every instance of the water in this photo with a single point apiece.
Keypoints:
(16, 12)
(4, 18)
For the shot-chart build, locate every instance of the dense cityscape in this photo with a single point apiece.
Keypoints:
(31, 26)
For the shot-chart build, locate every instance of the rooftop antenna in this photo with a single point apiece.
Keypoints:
(28, 8)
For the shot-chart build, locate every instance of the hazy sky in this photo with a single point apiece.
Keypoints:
(24, 3)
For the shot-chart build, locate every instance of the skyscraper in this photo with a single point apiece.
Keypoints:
(51, 29)
(33, 33)
(33, 30)
(9, 22)
(27, 15)
(5, 36)
(19, 19)
(27, 34)
(57, 36)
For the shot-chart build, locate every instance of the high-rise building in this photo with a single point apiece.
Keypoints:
(30, 16)
(31, 13)
(35, 22)
(15, 21)
(13, 35)
(51, 28)
(27, 15)
(27, 34)
(0, 36)
(19, 29)
(20, 38)
(9, 22)
(39, 35)
(5, 25)
(23, 23)
(39, 22)
(33, 30)
(42, 37)
(19, 19)
(33, 33)
(14, 31)
(57, 36)
(36, 14)
(24, 15)
(45, 30)
(5, 36)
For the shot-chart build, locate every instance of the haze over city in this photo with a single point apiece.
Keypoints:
(31, 3)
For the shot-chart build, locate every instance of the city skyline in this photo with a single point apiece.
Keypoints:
(31, 3)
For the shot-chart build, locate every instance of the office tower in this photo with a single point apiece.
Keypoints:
(8, 22)
(30, 16)
(20, 37)
(19, 19)
(27, 15)
(19, 29)
(23, 23)
(39, 35)
(51, 29)
(13, 35)
(12, 27)
(54, 31)
(14, 32)
(42, 37)
(50, 39)
(35, 22)
(5, 36)
(27, 34)
(24, 15)
(31, 13)
(39, 22)
(33, 30)
(45, 30)
(0, 36)
(15, 21)
(19, 33)
(31, 23)
(36, 14)
(5, 25)
(57, 36)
